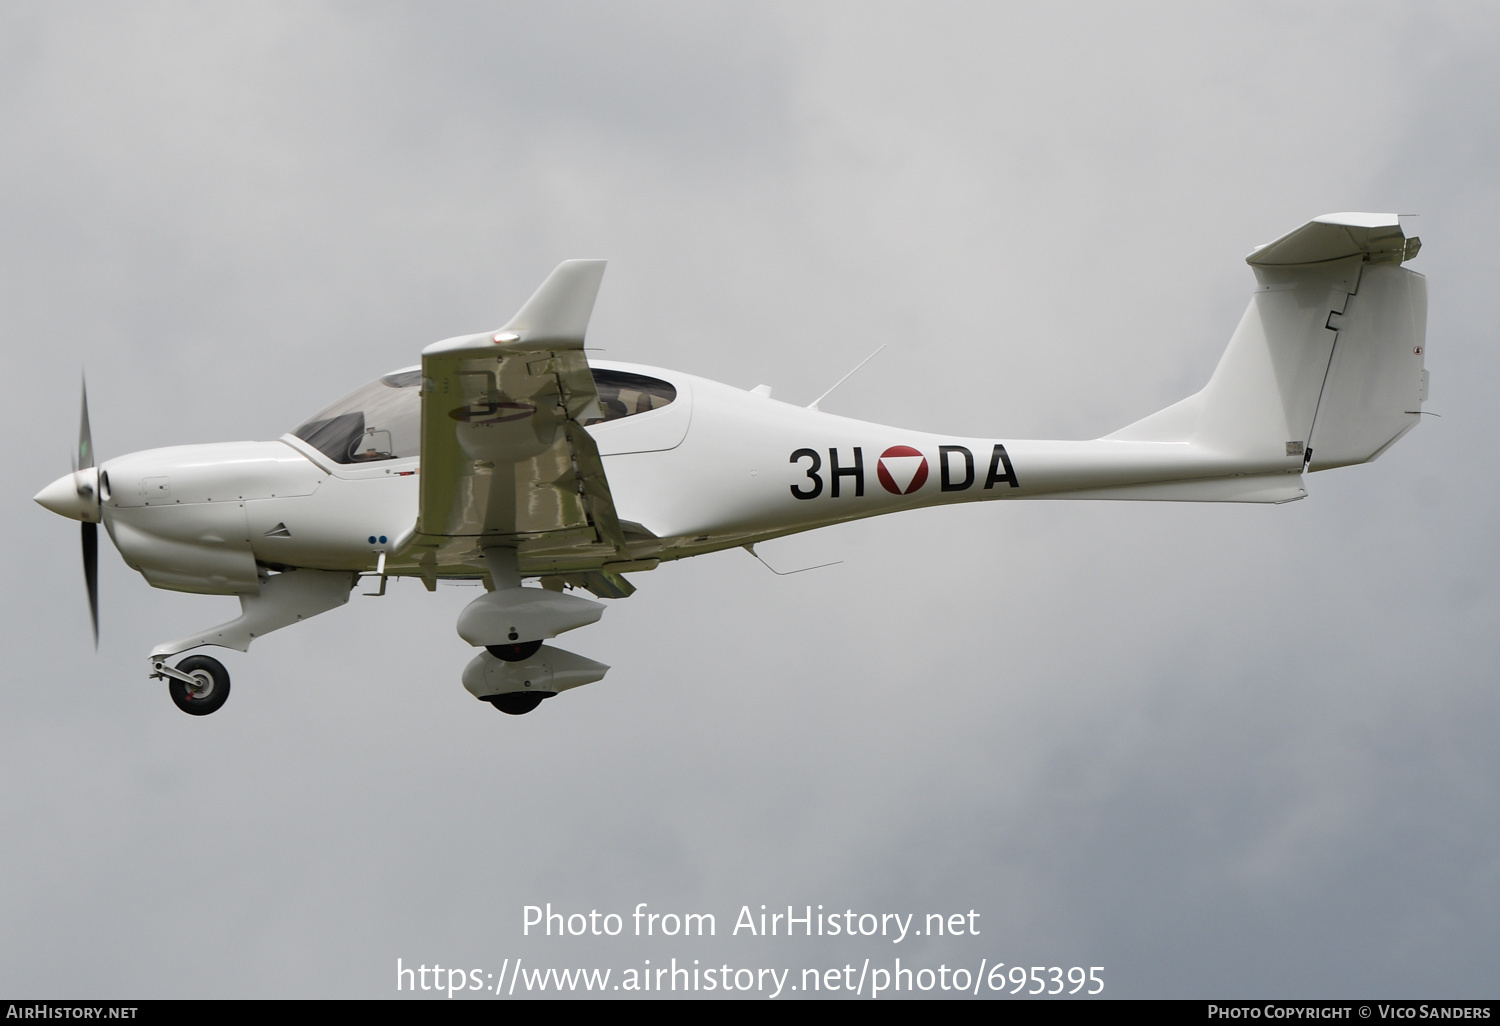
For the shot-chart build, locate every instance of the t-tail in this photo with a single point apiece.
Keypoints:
(1326, 366)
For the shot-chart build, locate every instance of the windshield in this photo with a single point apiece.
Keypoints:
(381, 421)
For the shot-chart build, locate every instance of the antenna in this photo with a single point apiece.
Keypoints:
(787, 573)
(814, 404)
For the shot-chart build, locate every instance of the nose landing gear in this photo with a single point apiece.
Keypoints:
(198, 685)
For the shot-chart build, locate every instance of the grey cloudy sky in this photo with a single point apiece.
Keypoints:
(1218, 750)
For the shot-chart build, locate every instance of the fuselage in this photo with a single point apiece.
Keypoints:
(716, 467)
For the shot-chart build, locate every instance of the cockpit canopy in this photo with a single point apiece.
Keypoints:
(383, 420)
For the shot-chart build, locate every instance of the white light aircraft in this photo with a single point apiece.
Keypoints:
(507, 456)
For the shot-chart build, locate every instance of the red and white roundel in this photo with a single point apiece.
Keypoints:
(902, 470)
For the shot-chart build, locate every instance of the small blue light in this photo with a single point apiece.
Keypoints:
(372, 539)
(382, 539)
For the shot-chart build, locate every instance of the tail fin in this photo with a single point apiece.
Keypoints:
(1325, 367)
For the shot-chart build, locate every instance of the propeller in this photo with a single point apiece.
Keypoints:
(77, 496)
(88, 493)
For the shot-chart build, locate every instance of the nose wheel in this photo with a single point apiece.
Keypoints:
(209, 688)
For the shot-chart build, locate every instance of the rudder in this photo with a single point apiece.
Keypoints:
(1376, 381)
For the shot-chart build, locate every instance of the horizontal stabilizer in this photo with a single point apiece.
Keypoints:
(1335, 237)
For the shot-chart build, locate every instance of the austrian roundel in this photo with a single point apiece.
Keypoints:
(902, 470)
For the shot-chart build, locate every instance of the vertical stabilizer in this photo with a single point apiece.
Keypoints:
(1327, 359)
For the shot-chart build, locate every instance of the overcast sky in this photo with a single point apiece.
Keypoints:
(1219, 750)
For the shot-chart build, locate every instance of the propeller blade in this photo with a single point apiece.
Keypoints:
(85, 439)
(90, 529)
(91, 573)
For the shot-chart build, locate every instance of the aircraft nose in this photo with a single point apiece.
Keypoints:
(75, 496)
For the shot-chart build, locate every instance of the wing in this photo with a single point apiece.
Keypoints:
(505, 458)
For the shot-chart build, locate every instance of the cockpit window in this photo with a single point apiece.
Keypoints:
(381, 421)
(622, 394)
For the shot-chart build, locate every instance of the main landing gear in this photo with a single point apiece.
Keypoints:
(199, 684)
(515, 672)
(516, 653)
(518, 703)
